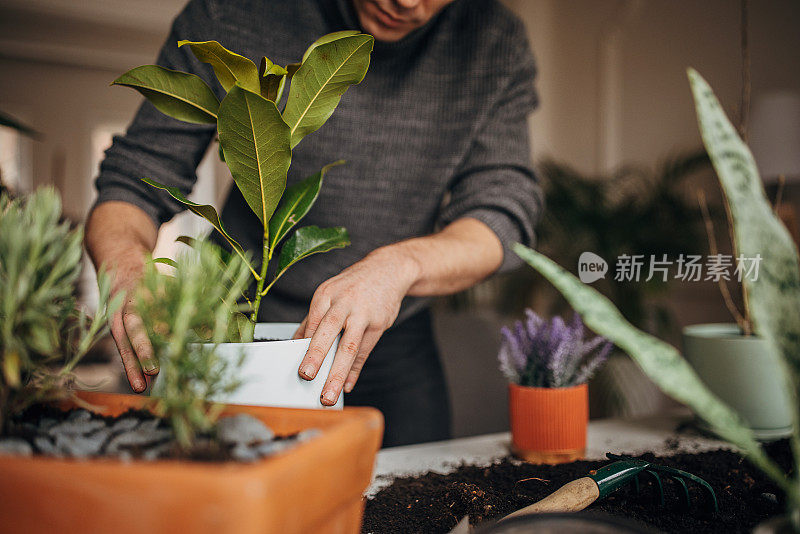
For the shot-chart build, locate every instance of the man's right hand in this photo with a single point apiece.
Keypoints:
(119, 236)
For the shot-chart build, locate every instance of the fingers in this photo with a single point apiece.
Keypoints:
(301, 330)
(368, 342)
(321, 342)
(129, 360)
(342, 362)
(137, 336)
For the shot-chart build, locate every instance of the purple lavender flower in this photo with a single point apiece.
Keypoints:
(550, 354)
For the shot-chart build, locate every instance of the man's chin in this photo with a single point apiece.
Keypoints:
(382, 32)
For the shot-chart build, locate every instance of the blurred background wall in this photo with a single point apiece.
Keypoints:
(613, 93)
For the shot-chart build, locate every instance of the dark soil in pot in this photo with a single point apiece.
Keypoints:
(434, 503)
(138, 434)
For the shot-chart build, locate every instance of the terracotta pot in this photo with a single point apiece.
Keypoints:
(315, 487)
(548, 425)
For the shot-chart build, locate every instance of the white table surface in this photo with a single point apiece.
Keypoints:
(654, 434)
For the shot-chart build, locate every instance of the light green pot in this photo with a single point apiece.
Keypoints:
(742, 372)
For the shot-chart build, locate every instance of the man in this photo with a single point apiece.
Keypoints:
(438, 184)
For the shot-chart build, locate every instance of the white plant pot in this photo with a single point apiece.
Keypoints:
(269, 370)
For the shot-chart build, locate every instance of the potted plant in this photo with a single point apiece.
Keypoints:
(256, 141)
(774, 301)
(548, 364)
(259, 463)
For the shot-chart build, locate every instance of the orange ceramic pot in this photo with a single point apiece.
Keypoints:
(315, 487)
(548, 425)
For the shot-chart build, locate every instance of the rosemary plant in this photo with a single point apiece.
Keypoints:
(43, 334)
(181, 313)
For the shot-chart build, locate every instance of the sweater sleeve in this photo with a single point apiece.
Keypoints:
(496, 184)
(155, 145)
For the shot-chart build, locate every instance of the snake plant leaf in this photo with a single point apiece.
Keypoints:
(182, 96)
(310, 240)
(659, 360)
(228, 66)
(255, 141)
(272, 79)
(774, 296)
(206, 211)
(296, 202)
(327, 39)
(322, 79)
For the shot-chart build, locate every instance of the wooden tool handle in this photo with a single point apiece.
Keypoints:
(570, 497)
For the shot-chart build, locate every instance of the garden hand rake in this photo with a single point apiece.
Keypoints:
(580, 493)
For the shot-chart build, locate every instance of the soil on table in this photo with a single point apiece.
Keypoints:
(433, 502)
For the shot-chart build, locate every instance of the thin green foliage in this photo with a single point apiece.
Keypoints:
(182, 313)
(43, 333)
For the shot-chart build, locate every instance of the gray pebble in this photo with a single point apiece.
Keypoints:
(771, 497)
(243, 453)
(243, 429)
(46, 423)
(126, 423)
(273, 447)
(79, 427)
(154, 453)
(79, 415)
(80, 446)
(136, 437)
(45, 446)
(149, 425)
(15, 446)
(307, 434)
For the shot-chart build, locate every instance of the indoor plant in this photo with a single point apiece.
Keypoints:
(256, 142)
(774, 298)
(547, 364)
(40, 325)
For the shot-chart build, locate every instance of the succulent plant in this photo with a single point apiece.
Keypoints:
(550, 354)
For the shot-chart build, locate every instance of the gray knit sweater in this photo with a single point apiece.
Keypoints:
(435, 132)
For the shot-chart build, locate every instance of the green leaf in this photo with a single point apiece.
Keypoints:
(182, 96)
(273, 79)
(238, 327)
(660, 361)
(319, 83)
(310, 240)
(224, 255)
(255, 141)
(229, 66)
(11, 368)
(166, 261)
(774, 296)
(206, 211)
(327, 39)
(295, 204)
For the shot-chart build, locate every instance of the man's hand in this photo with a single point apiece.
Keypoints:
(119, 236)
(364, 299)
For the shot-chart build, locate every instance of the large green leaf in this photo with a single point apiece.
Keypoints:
(255, 141)
(659, 360)
(206, 211)
(229, 66)
(182, 96)
(295, 204)
(774, 296)
(328, 38)
(319, 83)
(307, 241)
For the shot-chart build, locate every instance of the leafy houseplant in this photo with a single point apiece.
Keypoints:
(547, 364)
(773, 298)
(43, 333)
(256, 139)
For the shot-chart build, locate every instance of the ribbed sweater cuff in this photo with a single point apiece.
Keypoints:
(506, 229)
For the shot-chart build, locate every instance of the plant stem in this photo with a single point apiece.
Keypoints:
(265, 258)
